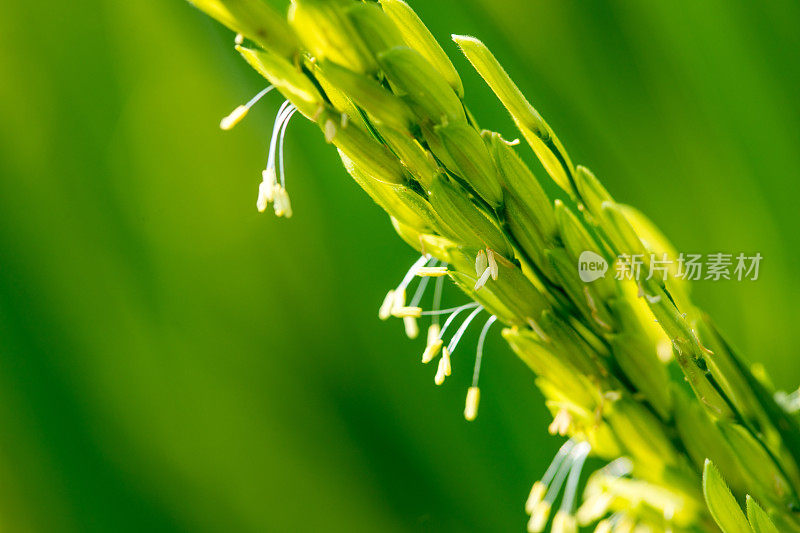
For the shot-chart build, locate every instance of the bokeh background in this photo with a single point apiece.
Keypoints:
(172, 361)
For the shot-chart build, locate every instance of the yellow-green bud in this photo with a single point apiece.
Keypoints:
(415, 79)
(640, 363)
(399, 201)
(256, 21)
(416, 159)
(382, 106)
(473, 162)
(327, 32)
(289, 79)
(767, 482)
(376, 29)
(642, 434)
(577, 240)
(465, 221)
(369, 154)
(591, 191)
(417, 36)
(583, 295)
(520, 182)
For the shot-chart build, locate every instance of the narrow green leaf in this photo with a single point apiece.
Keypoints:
(721, 503)
(759, 519)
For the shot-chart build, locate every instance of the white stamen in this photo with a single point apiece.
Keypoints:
(241, 111)
(562, 454)
(539, 489)
(437, 298)
(619, 467)
(569, 463)
(440, 312)
(460, 332)
(479, 354)
(283, 112)
(280, 145)
(423, 284)
(580, 453)
(421, 262)
(239, 39)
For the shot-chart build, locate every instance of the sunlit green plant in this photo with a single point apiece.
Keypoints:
(631, 370)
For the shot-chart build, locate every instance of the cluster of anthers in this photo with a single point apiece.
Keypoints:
(272, 189)
(396, 304)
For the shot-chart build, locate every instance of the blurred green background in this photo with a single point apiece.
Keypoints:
(172, 361)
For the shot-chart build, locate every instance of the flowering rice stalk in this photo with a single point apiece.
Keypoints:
(631, 370)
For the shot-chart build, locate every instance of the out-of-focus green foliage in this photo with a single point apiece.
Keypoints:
(171, 360)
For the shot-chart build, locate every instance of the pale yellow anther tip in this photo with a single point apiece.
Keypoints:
(432, 272)
(407, 312)
(603, 526)
(265, 196)
(539, 518)
(385, 310)
(234, 118)
(440, 374)
(411, 327)
(282, 204)
(564, 523)
(431, 351)
(536, 497)
(561, 423)
(471, 406)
